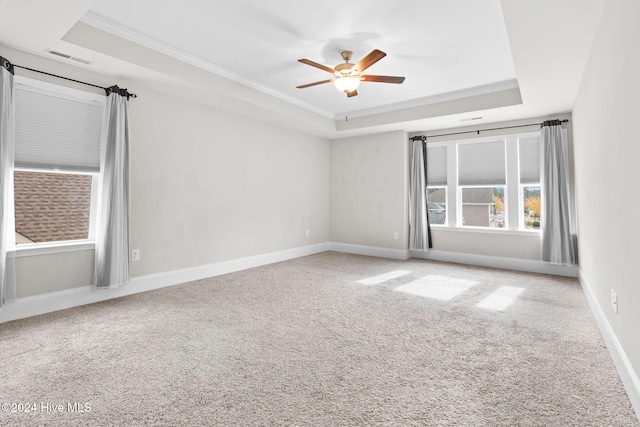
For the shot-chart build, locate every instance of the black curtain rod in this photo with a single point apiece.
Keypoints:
(424, 138)
(107, 90)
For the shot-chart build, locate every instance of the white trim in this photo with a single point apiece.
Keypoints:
(401, 254)
(54, 301)
(435, 99)
(506, 263)
(627, 374)
(489, 230)
(34, 249)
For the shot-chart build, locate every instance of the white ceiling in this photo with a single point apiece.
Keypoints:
(495, 59)
(438, 46)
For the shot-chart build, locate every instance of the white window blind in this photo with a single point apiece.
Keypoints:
(57, 129)
(529, 160)
(482, 163)
(436, 165)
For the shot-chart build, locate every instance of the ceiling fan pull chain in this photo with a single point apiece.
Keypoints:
(346, 114)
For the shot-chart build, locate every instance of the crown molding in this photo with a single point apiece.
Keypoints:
(104, 24)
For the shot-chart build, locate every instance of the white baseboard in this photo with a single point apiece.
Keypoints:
(627, 374)
(401, 254)
(54, 301)
(506, 263)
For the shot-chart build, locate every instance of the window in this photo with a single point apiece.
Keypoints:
(490, 183)
(483, 207)
(482, 182)
(437, 185)
(52, 207)
(437, 205)
(57, 161)
(529, 162)
(531, 201)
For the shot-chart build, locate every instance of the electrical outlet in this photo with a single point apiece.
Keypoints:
(614, 301)
(395, 235)
(306, 233)
(135, 255)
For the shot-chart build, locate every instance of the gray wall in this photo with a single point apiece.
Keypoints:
(209, 186)
(206, 186)
(607, 152)
(369, 190)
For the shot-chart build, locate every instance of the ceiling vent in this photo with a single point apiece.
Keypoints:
(66, 56)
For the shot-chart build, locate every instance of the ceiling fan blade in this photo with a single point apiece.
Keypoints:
(314, 83)
(352, 93)
(315, 64)
(373, 57)
(382, 79)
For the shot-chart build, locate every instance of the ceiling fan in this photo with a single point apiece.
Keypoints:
(347, 76)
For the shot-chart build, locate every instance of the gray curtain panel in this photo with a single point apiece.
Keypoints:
(7, 148)
(112, 239)
(419, 231)
(557, 243)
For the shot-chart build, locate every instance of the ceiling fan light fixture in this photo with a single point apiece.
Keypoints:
(346, 84)
(347, 76)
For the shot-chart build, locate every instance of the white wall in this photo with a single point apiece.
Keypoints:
(607, 153)
(206, 186)
(369, 190)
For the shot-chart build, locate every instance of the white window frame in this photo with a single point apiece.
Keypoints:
(514, 223)
(33, 249)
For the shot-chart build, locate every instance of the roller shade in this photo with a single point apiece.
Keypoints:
(57, 131)
(436, 165)
(482, 163)
(529, 160)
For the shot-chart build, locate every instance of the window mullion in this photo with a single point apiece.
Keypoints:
(513, 180)
(452, 185)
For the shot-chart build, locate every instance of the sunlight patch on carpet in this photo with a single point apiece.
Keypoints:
(501, 298)
(437, 287)
(376, 280)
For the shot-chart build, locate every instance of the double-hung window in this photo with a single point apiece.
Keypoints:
(57, 162)
(482, 184)
(437, 184)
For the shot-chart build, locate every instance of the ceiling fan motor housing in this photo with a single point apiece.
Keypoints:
(346, 69)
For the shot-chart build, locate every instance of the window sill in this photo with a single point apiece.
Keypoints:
(25, 250)
(487, 230)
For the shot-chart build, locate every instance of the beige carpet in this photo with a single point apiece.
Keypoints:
(317, 341)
